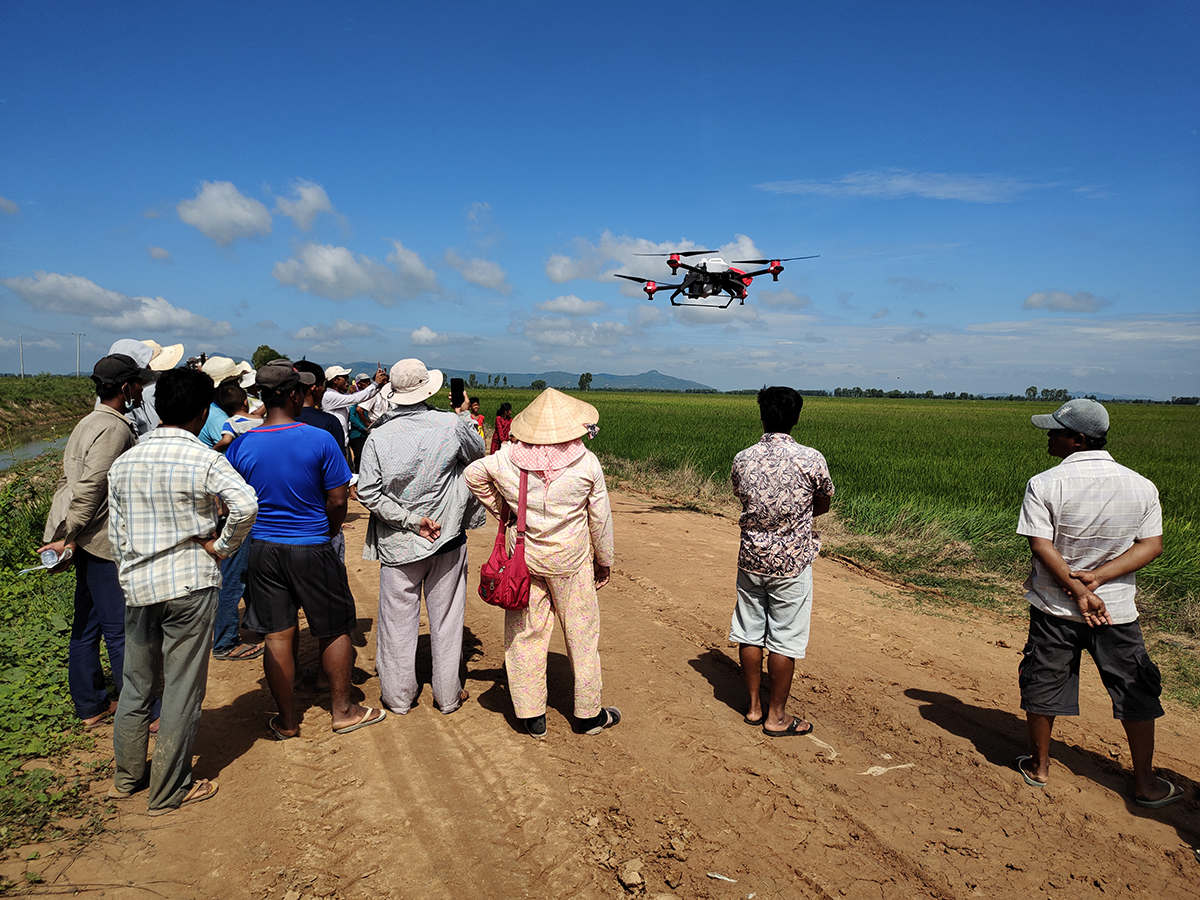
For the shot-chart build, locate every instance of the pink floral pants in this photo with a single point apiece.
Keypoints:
(527, 641)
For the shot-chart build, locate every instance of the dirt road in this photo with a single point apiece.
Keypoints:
(905, 789)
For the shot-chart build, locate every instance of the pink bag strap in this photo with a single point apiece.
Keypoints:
(521, 507)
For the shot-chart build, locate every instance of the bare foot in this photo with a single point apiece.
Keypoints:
(93, 721)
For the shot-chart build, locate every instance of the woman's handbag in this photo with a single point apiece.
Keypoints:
(504, 580)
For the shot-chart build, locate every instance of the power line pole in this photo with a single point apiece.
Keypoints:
(78, 335)
(21, 352)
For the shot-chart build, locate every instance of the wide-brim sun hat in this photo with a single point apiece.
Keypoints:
(553, 418)
(218, 368)
(164, 358)
(412, 382)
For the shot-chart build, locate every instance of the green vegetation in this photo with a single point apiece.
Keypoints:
(935, 484)
(41, 406)
(36, 717)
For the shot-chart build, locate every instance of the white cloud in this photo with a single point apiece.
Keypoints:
(28, 344)
(308, 200)
(1062, 301)
(785, 299)
(612, 253)
(337, 273)
(645, 316)
(8, 207)
(427, 337)
(482, 272)
(479, 212)
(341, 328)
(570, 305)
(71, 294)
(562, 331)
(155, 315)
(896, 184)
(158, 253)
(220, 211)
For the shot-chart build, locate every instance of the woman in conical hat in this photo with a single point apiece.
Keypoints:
(568, 549)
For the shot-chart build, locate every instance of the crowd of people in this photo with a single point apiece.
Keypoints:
(189, 489)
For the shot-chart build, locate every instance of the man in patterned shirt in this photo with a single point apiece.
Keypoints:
(782, 486)
(163, 516)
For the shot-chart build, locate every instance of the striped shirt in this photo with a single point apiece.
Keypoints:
(1093, 509)
(161, 494)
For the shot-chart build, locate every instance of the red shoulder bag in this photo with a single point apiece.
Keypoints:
(504, 580)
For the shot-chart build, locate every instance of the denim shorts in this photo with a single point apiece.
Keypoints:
(773, 612)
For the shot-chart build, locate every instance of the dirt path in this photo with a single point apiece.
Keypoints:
(906, 789)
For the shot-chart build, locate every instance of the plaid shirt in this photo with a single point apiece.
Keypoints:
(161, 494)
(776, 480)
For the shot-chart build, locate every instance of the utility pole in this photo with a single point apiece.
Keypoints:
(78, 335)
(21, 352)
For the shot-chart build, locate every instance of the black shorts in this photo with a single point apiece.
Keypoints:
(283, 578)
(1049, 671)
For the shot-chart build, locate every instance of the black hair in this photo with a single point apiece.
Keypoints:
(313, 369)
(106, 390)
(1095, 443)
(273, 398)
(230, 395)
(779, 408)
(180, 395)
(505, 409)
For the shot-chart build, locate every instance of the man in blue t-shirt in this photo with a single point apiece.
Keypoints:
(302, 481)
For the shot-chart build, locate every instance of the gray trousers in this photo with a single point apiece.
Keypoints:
(444, 578)
(176, 635)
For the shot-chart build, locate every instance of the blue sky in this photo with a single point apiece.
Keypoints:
(1000, 197)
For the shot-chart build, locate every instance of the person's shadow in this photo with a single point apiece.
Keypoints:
(1000, 736)
(560, 690)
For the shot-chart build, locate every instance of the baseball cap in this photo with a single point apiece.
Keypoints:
(334, 371)
(118, 368)
(1081, 415)
(279, 374)
(361, 376)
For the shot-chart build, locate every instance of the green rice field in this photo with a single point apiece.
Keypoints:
(939, 481)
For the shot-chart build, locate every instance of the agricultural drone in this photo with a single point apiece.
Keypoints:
(710, 277)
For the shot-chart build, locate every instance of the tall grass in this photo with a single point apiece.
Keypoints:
(936, 471)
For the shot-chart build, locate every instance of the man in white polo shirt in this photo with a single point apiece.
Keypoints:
(1091, 523)
(339, 404)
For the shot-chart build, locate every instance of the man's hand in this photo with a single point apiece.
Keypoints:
(602, 574)
(429, 529)
(1092, 609)
(466, 404)
(1090, 580)
(210, 545)
(64, 549)
(381, 377)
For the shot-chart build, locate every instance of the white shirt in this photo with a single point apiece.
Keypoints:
(1093, 509)
(339, 404)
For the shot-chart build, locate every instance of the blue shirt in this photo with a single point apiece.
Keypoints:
(290, 467)
(211, 432)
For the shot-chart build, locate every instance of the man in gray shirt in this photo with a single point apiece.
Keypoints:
(410, 478)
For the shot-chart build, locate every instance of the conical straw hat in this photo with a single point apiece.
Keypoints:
(553, 418)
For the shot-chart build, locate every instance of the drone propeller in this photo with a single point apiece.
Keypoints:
(686, 253)
(766, 262)
(634, 278)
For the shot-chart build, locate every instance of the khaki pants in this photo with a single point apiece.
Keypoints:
(527, 641)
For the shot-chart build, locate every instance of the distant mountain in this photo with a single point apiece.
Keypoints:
(653, 380)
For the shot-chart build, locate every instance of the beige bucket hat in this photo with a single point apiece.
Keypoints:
(164, 358)
(553, 418)
(412, 383)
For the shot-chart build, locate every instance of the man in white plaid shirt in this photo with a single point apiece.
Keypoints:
(165, 499)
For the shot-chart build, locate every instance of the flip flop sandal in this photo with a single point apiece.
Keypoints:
(1174, 792)
(793, 730)
(612, 716)
(367, 719)
(755, 722)
(279, 735)
(239, 654)
(1029, 779)
(202, 789)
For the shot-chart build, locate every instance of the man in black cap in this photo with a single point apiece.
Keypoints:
(302, 481)
(77, 530)
(1091, 523)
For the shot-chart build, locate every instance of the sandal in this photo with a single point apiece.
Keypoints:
(793, 730)
(202, 789)
(1174, 792)
(242, 652)
(274, 728)
(370, 716)
(612, 716)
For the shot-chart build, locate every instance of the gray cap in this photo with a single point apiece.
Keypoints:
(1081, 414)
(278, 375)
